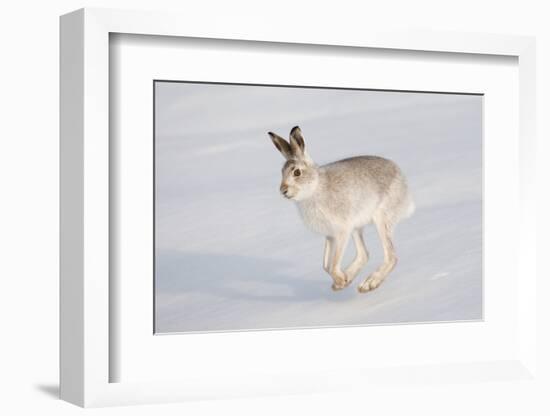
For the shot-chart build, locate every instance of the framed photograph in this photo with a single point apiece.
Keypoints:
(245, 215)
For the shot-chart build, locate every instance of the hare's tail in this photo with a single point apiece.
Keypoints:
(410, 208)
(395, 211)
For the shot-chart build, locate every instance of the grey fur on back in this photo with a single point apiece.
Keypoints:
(351, 192)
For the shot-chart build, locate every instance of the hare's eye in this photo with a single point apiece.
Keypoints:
(297, 172)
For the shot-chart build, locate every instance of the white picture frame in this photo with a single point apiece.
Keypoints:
(85, 223)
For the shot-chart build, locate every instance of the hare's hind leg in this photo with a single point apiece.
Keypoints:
(385, 229)
(361, 257)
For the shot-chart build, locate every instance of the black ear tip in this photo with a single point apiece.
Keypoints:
(294, 129)
(271, 134)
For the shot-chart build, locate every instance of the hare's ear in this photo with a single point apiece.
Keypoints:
(281, 145)
(297, 143)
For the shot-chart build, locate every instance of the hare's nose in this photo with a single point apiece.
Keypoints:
(284, 189)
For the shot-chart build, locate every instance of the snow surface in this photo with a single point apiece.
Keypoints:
(232, 254)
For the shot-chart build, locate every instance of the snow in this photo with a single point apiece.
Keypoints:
(232, 254)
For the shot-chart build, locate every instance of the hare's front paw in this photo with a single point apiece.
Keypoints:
(340, 281)
(370, 283)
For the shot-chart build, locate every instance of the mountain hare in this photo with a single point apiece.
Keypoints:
(339, 199)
